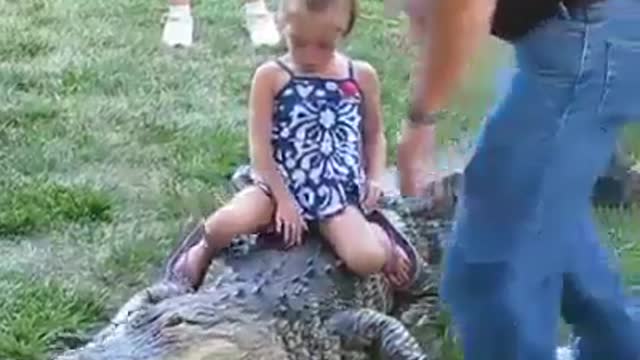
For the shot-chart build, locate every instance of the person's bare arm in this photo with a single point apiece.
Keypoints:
(375, 143)
(449, 32)
(260, 110)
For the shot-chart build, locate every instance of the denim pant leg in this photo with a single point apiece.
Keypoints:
(527, 186)
(619, 103)
(593, 302)
(500, 317)
(502, 281)
(593, 298)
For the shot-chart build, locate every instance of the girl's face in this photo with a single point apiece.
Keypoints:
(312, 37)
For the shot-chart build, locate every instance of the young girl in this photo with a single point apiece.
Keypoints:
(317, 151)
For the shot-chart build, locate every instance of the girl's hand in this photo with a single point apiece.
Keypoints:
(374, 193)
(289, 222)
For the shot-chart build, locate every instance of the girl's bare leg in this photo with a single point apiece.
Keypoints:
(355, 241)
(364, 246)
(249, 211)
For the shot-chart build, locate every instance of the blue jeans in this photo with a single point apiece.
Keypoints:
(525, 248)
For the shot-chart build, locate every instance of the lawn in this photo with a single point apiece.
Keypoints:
(109, 142)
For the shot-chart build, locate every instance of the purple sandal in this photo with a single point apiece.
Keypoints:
(180, 254)
(397, 240)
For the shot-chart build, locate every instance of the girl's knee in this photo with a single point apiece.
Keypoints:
(247, 212)
(355, 242)
(365, 259)
(369, 262)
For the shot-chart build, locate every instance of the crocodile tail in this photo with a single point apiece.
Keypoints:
(366, 327)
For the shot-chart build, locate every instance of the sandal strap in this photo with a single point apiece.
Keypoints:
(187, 242)
(180, 254)
(393, 236)
(391, 253)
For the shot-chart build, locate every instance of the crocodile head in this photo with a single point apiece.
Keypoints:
(166, 322)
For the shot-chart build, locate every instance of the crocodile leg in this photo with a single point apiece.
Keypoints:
(366, 327)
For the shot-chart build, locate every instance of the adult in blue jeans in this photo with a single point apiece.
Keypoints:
(525, 248)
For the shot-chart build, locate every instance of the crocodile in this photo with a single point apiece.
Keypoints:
(262, 302)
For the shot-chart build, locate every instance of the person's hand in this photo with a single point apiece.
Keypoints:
(374, 193)
(416, 149)
(289, 222)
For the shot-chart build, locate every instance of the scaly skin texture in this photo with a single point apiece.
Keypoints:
(260, 302)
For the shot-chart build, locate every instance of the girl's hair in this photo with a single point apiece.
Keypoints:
(322, 5)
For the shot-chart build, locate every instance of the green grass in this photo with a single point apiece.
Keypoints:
(108, 141)
(40, 205)
(621, 229)
(38, 315)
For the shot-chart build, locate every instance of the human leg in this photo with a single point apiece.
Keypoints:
(500, 314)
(533, 170)
(593, 302)
(593, 297)
(372, 243)
(617, 103)
(178, 29)
(502, 277)
(260, 23)
(355, 241)
(250, 210)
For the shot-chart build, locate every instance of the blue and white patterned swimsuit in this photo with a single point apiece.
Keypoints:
(317, 142)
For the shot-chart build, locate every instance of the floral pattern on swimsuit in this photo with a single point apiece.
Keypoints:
(317, 142)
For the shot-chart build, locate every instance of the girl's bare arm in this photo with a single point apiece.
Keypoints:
(375, 143)
(263, 90)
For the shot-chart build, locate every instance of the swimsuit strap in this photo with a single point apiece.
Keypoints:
(285, 67)
(351, 70)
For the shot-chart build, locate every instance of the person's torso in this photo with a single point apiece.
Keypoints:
(317, 131)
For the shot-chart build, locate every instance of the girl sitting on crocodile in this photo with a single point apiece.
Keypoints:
(317, 150)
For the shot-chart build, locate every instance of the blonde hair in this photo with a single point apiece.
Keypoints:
(319, 6)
